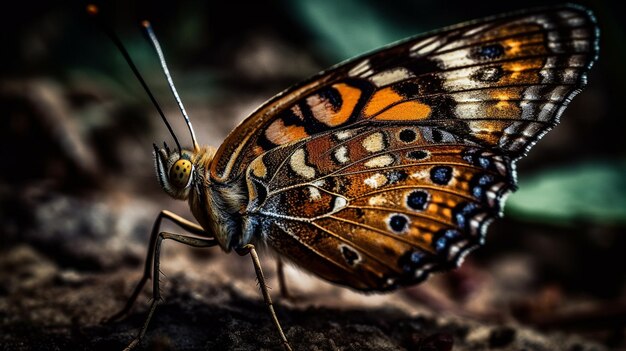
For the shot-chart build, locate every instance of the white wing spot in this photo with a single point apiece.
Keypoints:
(475, 30)
(319, 183)
(423, 174)
(377, 200)
(314, 193)
(374, 142)
(340, 203)
(298, 164)
(258, 168)
(380, 161)
(375, 181)
(341, 154)
(360, 68)
(344, 134)
(424, 47)
(391, 76)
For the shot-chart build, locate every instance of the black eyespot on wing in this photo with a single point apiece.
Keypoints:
(437, 136)
(484, 162)
(479, 185)
(407, 136)
(462, 214)
(441, 175)
(445, 238)
(398, 223)
(350, 255)
(417, 155)
(489, 52)
(412, 260)
(415, 266)
(479, 159)
(417, 200)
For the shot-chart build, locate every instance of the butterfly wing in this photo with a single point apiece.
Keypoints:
(390, 166)
(376, 206)
(503, 81)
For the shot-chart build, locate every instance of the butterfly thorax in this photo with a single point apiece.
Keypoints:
(215, 206)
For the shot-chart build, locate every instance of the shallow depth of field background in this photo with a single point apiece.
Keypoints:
(78, 193)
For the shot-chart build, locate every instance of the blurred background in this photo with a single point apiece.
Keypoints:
(78, 193)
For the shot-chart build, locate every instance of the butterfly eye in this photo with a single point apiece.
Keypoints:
(180, 173)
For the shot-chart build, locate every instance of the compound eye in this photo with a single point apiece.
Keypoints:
(180, 173)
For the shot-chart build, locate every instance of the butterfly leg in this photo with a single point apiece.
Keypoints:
(156, 293)
(249, 249)
(147, 273)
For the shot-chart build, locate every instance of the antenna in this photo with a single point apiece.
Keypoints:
(93, 11)
(155, 44)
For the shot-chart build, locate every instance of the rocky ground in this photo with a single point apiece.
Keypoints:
(47, 307)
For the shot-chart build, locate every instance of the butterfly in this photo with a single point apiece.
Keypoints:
(390, 166)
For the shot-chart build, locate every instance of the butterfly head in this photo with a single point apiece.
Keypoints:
(183, 176)
(175, 171)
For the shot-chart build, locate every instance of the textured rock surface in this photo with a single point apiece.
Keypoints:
(46, 307)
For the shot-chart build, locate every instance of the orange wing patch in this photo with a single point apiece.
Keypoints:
(380, 100)
(325, 112)
(406, 111)
(503, 104)
(489, 131)
(381, 107)
(522, 71)
(278, 133)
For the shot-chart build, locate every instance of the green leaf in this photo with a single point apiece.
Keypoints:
(588, 192)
